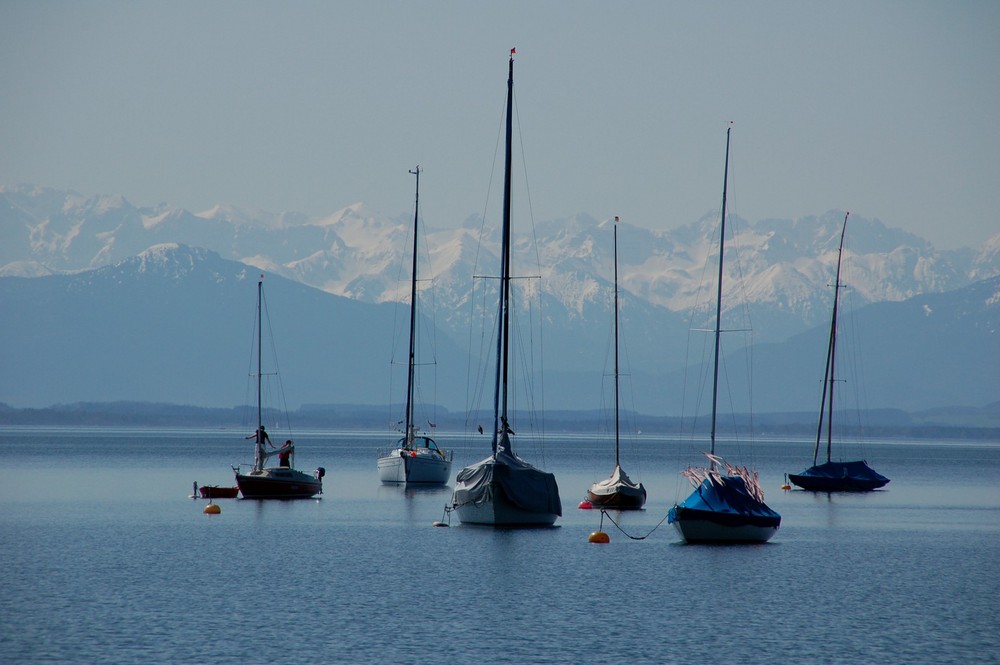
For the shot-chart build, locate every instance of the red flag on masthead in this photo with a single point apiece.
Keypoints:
(513, 51)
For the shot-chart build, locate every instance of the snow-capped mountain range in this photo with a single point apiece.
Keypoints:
(778, 271)
(784, 266)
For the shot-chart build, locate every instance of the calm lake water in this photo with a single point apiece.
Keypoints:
(105, 558)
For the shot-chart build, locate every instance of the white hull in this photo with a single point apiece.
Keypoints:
(499, 513)
(400, 466)
(704, 531)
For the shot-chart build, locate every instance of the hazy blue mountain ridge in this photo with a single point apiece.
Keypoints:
(174, 324)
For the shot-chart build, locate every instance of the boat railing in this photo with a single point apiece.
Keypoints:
(239, 468)
(446, 455)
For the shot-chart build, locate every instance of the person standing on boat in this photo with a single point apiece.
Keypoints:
(261, 436)
(283, 454)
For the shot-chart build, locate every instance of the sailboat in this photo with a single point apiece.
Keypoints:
(416, 457)
(833, 476)
(503, 489)
(617, 491)
(725, 506)
(273, 482)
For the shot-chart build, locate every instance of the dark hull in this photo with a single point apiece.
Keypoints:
(707, 526)
(215, 492)
(618, 500)
(265, 487)
(839, 477)
(820, 484)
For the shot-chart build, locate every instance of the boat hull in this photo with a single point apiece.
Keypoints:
(278, 483)
(834, 485)
(839, 477)
(408, 466)
(216, 492)
(698, 526)
(624, 498)
(617, 492)
(500, 512)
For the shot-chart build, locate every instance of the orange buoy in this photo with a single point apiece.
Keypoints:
(212, 509)
(786, 487)
(599, 537)
(585, 505)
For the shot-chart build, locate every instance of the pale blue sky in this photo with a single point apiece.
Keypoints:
(887, 109)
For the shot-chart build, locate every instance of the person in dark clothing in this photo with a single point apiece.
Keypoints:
(261, 435)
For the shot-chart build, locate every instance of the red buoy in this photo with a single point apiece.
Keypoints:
(585, 505)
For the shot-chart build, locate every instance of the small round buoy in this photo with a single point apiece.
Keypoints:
(786, 487)
(440, 524)
(585, 505)
(599, 537)
(413, 453)
(212, 509)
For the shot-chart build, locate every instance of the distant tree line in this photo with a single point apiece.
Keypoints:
(880, 424)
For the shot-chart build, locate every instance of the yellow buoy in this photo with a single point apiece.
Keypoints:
(599, 537)
(212, 509)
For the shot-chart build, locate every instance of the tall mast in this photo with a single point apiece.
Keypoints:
(500, 387)
(409, 434)
(259, 456)
(718, 299)
(616, 342)
(831, 354)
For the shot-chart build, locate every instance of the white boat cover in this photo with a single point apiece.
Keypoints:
(614, 484)
(523, 485)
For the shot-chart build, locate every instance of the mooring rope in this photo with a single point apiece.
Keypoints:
(604, 513)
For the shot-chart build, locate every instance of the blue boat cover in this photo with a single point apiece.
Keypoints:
(840, 476)
(725, 500)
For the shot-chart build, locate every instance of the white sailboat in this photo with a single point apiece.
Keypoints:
(503, 489)
(617, 491)
(727, 505)
(416, 458)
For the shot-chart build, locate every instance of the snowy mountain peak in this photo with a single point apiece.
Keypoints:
(783, 266)
(244, 216)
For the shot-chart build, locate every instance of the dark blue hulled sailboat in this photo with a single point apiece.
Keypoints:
(503, 489)
(724, 507)
(833, 476)
(273, 482)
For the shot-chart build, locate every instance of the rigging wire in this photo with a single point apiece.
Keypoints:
(537, 414)
(277, 369)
